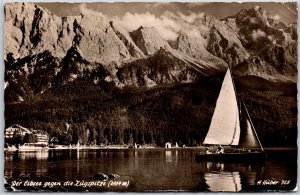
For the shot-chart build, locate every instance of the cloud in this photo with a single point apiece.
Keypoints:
(196, 4)
(87, 11)
(191, 17)
(156, 5)
(133, 21)
(275, 17)
(257, 7)
(169, 24)
(256, 34)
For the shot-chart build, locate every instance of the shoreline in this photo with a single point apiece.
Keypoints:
(125, 147)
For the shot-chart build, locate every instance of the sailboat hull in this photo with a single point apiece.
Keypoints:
(233, 157)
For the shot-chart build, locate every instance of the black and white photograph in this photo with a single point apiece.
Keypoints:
(150, 96)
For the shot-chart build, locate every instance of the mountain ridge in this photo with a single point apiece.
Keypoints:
(31, 30)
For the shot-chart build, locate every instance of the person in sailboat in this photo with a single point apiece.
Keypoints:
(208, 150)
(220, 150)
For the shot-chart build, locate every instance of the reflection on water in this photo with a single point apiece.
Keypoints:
(228, 177)
(23, 158)
(168, 156)
(39, 155)
(223, 181)
(212, 166)
(171, 156)
(153, 169)
(28, 155)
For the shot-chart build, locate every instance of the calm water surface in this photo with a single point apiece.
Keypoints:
(152, 170)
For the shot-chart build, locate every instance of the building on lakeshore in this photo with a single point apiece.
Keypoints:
(42, 137)
(168, 145)
(14, 130)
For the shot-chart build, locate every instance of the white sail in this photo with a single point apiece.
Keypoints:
(225, 124)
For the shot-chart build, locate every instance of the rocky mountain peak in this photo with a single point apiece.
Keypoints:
(255, 15)
(182, 36)
(269, 40)
(29, 29)
(18, 9)
(148, 39)
(276, 23)
(184, 42)
(125, 37)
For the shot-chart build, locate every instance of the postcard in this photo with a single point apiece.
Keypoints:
(150, 97)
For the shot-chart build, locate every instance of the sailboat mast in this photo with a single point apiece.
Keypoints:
(233, 83)
(252, 125)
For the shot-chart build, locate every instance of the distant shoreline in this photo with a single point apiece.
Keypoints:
(116, 147)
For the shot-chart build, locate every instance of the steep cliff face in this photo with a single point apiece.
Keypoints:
(225, 43)
(196, 49)
(36, 40)
(30, 29)
(148, 40)
(125, 37)
(271, 43)
(91, 45)
(215, 38)
(163, 67)
(255, 30)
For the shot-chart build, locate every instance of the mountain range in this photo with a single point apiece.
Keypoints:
(44, 54)
(250, 41)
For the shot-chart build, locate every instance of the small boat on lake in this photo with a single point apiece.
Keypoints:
(231, 125)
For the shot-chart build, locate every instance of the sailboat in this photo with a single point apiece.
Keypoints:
(231, 125)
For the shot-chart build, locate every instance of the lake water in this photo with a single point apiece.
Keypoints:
(146, 170)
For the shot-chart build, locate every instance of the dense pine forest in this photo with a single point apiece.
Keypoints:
(102, 114)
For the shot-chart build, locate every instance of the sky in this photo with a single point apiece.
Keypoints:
(286, 11)
(169, 18)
